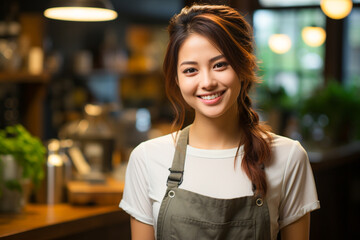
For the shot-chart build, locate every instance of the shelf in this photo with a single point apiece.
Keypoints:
(33, 97)
(23, 77)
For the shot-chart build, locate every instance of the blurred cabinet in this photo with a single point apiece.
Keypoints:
(22, 93)
(336, 173)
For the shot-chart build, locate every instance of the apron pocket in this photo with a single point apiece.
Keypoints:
(190, 228)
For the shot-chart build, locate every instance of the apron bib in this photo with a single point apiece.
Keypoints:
(185, 215)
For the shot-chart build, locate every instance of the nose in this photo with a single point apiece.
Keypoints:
(208, 81)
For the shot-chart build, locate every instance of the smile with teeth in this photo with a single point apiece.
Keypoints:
(212, 96)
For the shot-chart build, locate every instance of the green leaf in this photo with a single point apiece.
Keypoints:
(13, 185)
(28, 151)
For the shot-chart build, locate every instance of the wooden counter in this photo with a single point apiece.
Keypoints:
(64, 221)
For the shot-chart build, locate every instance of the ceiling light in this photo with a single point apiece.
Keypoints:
(81, 10)
(336, 9)
(313, 36)
(280, 43)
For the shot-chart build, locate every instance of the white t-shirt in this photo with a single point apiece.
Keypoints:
(291, 188)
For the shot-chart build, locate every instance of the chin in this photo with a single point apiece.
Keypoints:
(212, 115)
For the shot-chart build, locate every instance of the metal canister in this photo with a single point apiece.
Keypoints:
(53, 187)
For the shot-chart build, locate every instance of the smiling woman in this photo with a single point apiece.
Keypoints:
(240, 181)
(206, 80)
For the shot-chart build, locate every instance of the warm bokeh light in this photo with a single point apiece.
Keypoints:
(313, 36)
(93, 110)
(280, 43)
(336, 9)
(82, 14)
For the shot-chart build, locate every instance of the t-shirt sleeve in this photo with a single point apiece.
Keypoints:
(299, 194)
(136, 201)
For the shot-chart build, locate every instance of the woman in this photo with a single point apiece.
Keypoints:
(229, 177)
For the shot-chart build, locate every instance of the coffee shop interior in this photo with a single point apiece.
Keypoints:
(77, 95)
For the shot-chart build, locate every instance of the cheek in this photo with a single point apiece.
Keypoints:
(181, 86)
(185, 92)
(236, 86)
(184, 85)
(233, 81)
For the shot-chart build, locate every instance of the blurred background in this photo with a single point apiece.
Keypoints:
(98, 87)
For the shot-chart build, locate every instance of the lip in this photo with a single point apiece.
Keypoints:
(212, 101)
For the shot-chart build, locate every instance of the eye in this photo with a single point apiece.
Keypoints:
(221, 65)
(189, 70)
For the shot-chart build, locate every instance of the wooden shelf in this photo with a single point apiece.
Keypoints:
(23, 77)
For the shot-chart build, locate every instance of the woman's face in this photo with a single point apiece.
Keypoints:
(206, 80)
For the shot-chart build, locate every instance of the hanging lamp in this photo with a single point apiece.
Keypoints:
(313, 36)
(81, 10)
(336, 9)
(279, 43)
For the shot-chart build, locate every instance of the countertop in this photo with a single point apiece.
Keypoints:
(41, 221)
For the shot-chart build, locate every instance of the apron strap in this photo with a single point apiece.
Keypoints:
(177, 169)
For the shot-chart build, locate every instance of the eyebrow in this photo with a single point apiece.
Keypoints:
(211, 60)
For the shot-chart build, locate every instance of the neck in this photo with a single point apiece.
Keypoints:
(215, 133)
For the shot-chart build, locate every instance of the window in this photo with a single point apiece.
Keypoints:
(282, 3)
(352, 49)
(299, 71)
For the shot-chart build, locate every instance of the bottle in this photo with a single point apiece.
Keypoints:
(13, 29)
(53, 188)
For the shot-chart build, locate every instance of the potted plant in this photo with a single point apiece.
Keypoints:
(277, 107)
(331, 117)
(22, 159)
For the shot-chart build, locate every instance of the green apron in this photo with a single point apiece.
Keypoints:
(186, 215)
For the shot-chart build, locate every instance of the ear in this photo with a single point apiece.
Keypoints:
(177, 80)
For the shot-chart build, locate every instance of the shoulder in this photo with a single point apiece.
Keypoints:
(154, 151)
(151, 160)
(287, 156)
(150, 156)
(155, 144)
(281, 141)
(283, 146)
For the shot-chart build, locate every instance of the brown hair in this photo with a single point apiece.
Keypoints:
(228, 30)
